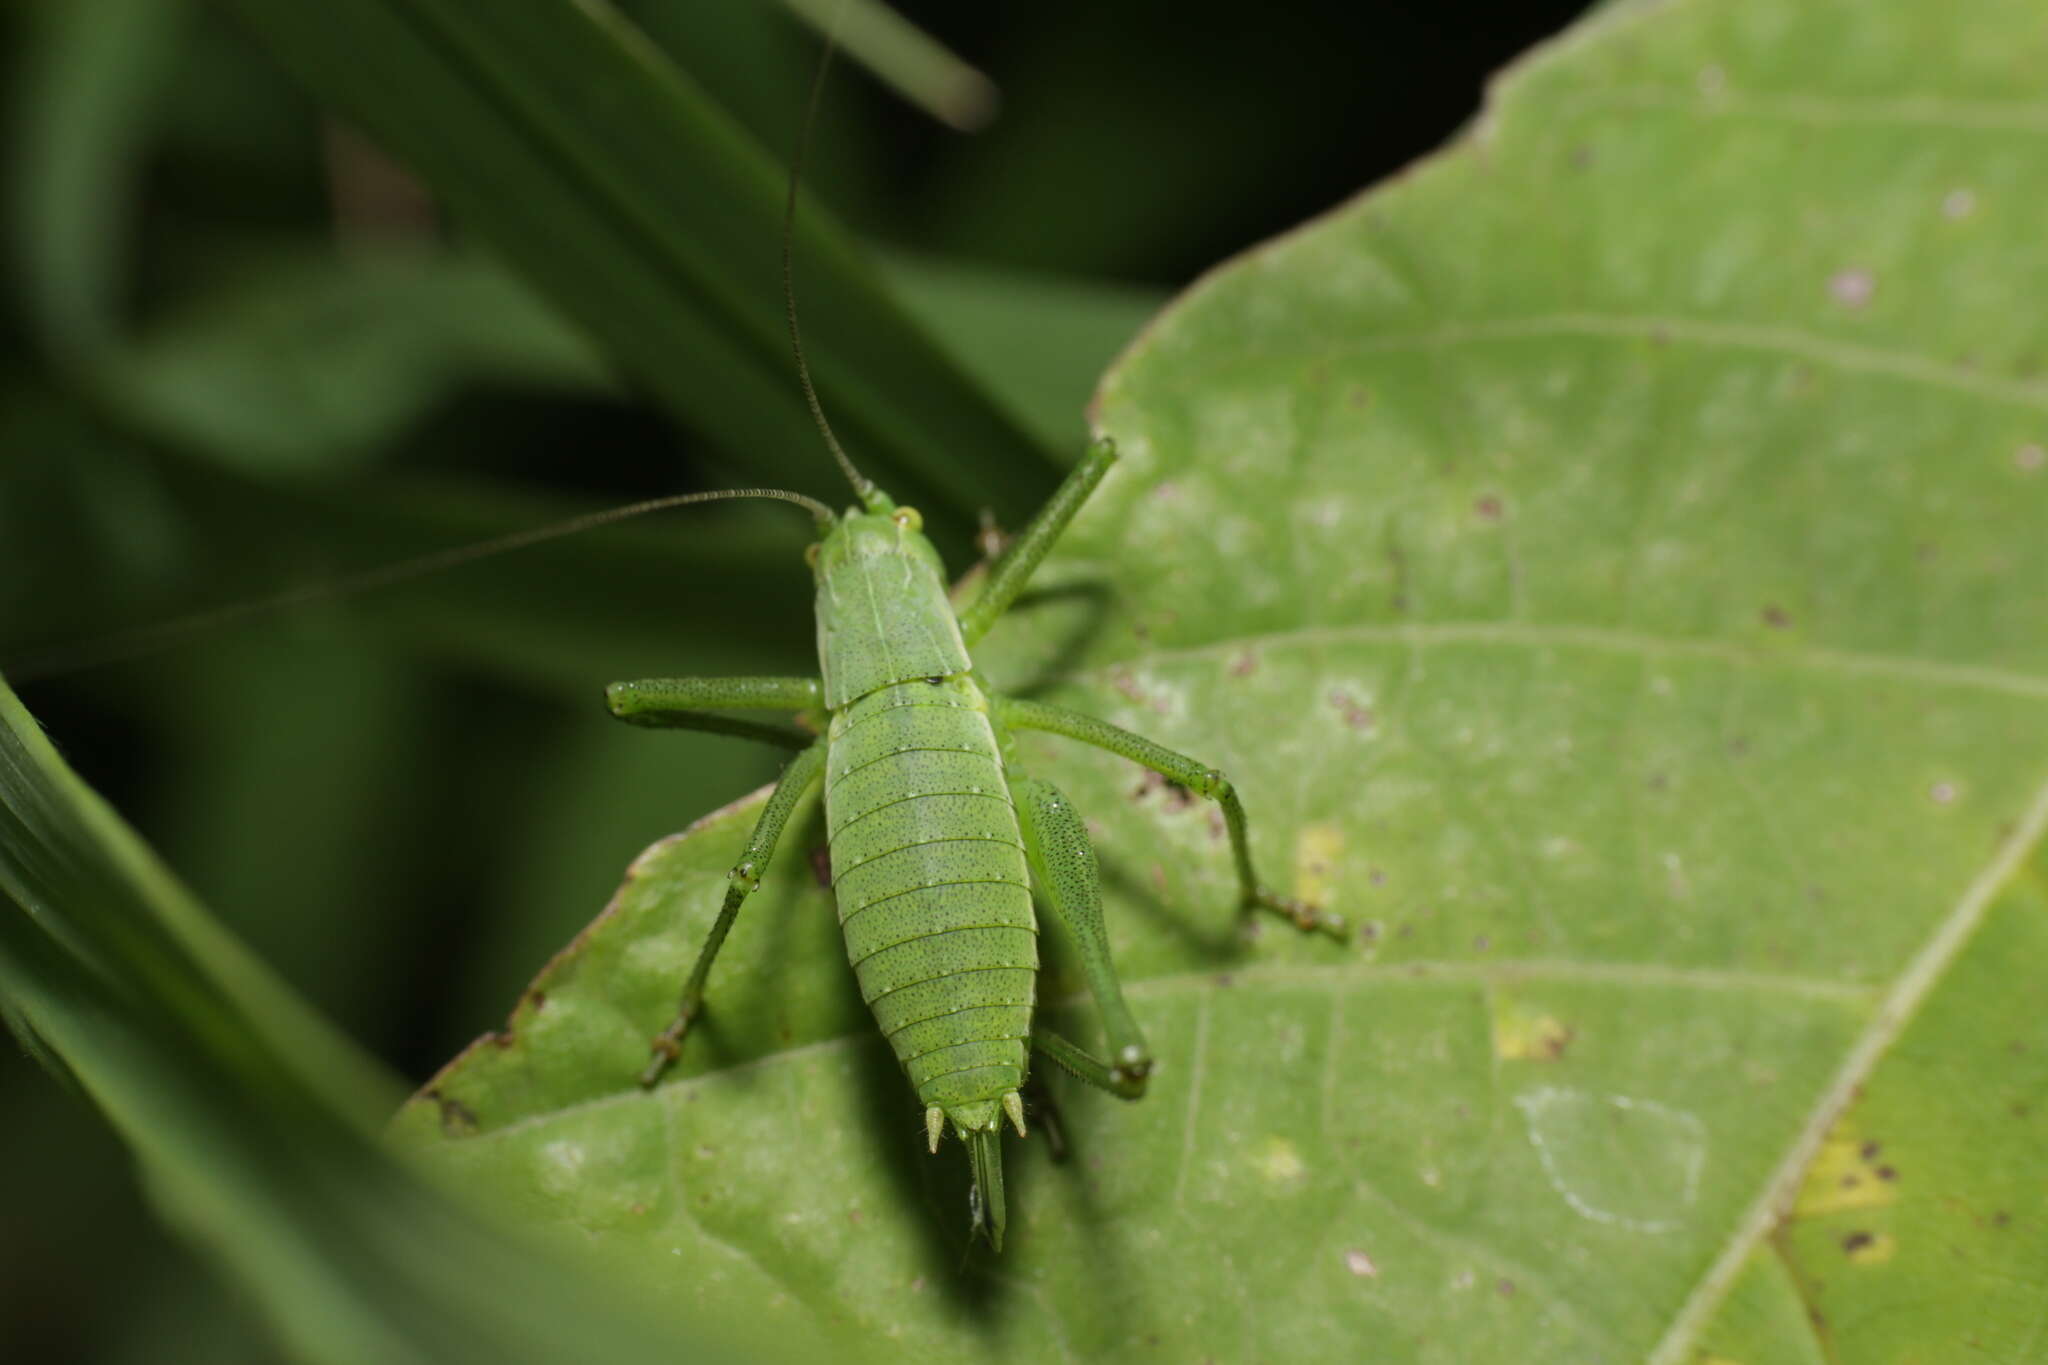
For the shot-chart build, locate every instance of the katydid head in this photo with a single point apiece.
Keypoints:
(891, 532)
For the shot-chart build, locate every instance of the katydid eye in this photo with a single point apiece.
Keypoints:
(907, 518)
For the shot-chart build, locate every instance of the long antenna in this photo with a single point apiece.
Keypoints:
(131, 644)
(863, 487)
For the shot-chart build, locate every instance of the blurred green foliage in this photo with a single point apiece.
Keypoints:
(244, 350)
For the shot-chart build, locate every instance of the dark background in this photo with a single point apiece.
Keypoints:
(406, 803)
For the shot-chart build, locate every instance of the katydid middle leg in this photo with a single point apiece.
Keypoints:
(745, 876)
(1063, 865)
(1203, 781)
(691, 703)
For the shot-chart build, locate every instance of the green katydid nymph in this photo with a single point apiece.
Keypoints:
(937, 839)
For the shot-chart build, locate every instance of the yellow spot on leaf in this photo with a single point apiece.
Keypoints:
(1316, 851)
(1524, 1034)
(1849, 1172)
(1280, 1163)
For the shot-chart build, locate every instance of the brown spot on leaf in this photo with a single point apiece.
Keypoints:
(1489, 508)
(1244, 664)
(1856, 1241)
(1178, 798)
(1776, 617)
(1355, 714)
(457, 1119)
(821, 865)
(1126, 685)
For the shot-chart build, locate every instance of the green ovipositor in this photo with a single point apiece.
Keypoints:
(938, 840)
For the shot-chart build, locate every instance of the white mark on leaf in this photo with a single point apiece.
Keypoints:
(1615, 1159)
(1852, 288)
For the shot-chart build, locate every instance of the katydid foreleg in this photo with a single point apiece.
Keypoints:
(1016, 713)
(1009, 575)
(681, 704)
(1063, 866)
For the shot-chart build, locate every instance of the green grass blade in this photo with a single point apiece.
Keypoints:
(82, 90)
(252, 1120)
(632, 201)
(906, 59)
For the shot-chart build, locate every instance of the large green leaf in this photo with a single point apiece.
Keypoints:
(1608, 563)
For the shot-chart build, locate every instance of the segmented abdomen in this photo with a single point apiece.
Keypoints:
(928, 869)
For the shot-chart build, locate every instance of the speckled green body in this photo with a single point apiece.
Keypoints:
(928, 862)
(929, 872)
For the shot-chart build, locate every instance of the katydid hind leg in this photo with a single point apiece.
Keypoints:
(745, 876)
(1069, 883)
(1204, 781)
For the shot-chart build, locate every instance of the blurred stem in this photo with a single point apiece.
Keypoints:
(906, 59)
